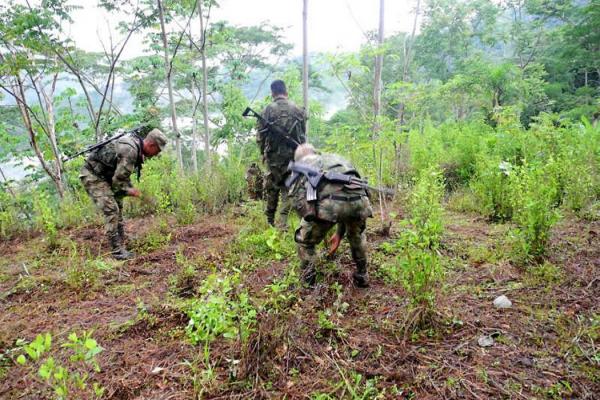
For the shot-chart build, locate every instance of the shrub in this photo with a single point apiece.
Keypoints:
(72, 379)
(220, 310)
(75, 209)
(491, 188)
(533, 198)
(46, 217)
(419, 245)
(10, 223)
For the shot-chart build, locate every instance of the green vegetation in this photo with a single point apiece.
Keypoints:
(69, 380)
(487, 129)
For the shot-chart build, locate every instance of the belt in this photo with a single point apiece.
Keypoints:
(341, 198)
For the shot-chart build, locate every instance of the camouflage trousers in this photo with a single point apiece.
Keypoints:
(106, 201)
(351, 215)
(255, 187)
(273, 189)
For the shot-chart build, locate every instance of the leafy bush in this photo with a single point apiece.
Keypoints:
(46, 217)
(70, 380)
(220, 310)
(155, 238)
(491, 188)
(10, 223)
(419, 259)
(533, 198)
(75, 209)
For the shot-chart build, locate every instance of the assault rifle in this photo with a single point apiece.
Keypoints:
(314, 176)
(140, 131)
(277, 130)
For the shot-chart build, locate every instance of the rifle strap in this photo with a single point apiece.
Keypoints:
(140, 157)
(341, 198)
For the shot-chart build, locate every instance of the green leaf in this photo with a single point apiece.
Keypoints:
(21, 359)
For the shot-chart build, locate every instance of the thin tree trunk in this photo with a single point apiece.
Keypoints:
(204, 85)
(170, 85)
(408, 56)
(378, 69)
(194, 128)
(305, 63)
(8, 187)
(24, 109)
(51, 130)
(407, 62)
(377, 87)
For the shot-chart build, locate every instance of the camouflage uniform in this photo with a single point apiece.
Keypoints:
(277, 153)
(106, 178)
(254, 179)
(345, 205)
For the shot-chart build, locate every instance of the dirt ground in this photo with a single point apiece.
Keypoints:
(544, 346)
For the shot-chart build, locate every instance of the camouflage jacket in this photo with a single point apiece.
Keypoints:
(115, 162)
(327, 208)
(291, 119)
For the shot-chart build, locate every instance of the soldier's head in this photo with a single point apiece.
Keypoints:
(154, 143)
(278, 88)
(304, 150)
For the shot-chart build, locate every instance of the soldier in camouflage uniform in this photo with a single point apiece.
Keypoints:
(346, 205)
(278, 151)
(106, 178)
(254, 180)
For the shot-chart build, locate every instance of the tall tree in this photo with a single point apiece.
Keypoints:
(377, 87)
(168, 72)
(305, 63)
(204, 94)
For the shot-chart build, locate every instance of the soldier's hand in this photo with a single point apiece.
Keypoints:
(134, 192)
(334, 243)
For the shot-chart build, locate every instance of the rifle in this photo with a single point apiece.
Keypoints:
(279, 132)
(141, 131)
(314, 176)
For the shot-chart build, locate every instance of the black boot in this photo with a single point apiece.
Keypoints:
(119, 251)
(309, 274)
(360, 276)
(121, 231)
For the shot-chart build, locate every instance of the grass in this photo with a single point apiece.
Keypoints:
(337, 340)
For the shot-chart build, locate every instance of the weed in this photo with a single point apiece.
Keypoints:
(419, 259)
(154, 239)
(183, 283)
(70, 380)
(533, 196)
(546, 273)
(490, 186)
(281, 292)
(46, 218)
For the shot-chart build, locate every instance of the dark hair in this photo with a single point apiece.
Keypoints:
(278, 87)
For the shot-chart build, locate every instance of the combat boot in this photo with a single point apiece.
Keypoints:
(119, 252)
(282, 225)
(309, 274)
(360, 276)
(121, 232)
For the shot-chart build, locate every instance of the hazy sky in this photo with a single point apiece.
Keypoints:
(334, 25)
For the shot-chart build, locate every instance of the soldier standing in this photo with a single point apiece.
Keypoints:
(277, 149)
(106, 178)
(335, 202)
(254, 180)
